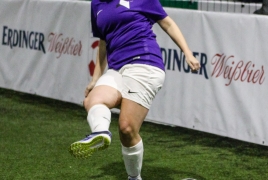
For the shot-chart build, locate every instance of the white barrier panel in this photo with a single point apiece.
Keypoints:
(47, 49)
(228, 96)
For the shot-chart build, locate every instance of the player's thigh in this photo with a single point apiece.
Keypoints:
(131, 116)
(106, 91)
(140, 86)
(103, 94)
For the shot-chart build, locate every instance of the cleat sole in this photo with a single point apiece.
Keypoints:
(86, 149)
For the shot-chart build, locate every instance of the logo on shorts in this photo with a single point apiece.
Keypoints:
(131, 91)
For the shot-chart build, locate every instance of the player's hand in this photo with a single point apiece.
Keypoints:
(89, 87)
(193, 63)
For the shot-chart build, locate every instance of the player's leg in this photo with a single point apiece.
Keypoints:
(104, 96)
(98, 104)
(140, 85)
(131, 118)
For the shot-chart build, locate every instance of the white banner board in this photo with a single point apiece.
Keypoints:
(228, 96)
(47, 49)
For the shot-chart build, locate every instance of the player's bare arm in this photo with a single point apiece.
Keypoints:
(171, 28)
(101, 63)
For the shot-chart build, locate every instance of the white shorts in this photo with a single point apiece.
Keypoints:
(137, 82)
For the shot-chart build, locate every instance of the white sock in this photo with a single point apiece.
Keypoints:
(99, 118)
(133, 159)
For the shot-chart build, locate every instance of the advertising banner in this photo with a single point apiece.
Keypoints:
(46, 48)
(228, 95)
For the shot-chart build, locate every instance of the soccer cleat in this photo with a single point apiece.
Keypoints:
(96, 141)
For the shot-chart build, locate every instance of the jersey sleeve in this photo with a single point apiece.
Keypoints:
(95, 30)
(153, 10)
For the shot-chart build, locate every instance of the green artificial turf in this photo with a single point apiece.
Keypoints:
(35, 134)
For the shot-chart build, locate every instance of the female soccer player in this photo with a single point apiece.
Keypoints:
(135, 74)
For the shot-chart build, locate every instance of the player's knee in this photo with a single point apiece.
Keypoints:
(89, 102)
(126, 129)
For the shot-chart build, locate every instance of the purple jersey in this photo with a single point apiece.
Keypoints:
(125, 25)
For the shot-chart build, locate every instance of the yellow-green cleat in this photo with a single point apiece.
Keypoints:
(96, 141)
